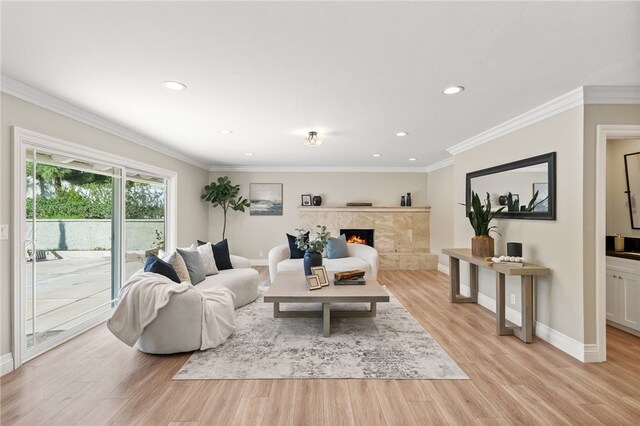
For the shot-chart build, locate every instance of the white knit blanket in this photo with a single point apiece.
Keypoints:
(145, 293)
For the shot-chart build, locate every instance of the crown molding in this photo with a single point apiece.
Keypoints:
(37, 97)
(617, 95)
(440, 164)
(556, 106)
(301, 169)
(587, 95)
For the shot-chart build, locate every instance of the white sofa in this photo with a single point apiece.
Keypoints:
(360, 257)
(177, 328)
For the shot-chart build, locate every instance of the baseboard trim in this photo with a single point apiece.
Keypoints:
(259, 262)
(6, 364)
(443, 268)
(578, 350)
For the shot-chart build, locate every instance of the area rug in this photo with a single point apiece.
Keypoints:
(391, 345)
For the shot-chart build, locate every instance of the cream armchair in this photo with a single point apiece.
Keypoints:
(360, 257)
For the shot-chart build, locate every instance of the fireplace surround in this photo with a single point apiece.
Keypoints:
(401, 233)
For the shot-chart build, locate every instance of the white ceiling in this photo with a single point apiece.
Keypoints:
(356, 72)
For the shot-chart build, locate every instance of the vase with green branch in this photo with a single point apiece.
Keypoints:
(480, 216)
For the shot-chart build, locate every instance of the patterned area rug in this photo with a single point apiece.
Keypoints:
(391, 345)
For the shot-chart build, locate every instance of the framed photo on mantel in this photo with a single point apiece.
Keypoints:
(306, 199)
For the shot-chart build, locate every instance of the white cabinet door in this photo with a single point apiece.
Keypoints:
(630, 300)
(613, 296)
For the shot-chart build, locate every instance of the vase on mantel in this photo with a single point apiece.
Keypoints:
(408, 199)
(311, 259)
(482, 246)
(402, 202)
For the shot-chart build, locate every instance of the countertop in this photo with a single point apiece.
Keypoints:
(624, 254)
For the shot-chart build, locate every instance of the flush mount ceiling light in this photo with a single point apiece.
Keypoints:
(174, 85)
(312, 139)
(226, 132)
(400, 134)
(453, 90)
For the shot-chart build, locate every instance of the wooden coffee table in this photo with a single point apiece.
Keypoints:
(291, 287)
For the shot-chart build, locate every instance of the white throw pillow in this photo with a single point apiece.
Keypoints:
(206, 253)
(175, 260)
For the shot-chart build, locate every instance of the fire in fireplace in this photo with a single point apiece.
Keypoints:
(358, 236)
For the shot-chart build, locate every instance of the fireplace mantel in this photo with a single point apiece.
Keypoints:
(401, 233)
(394, 209)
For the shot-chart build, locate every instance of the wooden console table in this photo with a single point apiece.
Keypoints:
(526, 273)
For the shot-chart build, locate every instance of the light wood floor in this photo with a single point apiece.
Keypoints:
(96, 379)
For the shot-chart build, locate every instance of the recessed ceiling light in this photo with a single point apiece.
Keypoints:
(250, 154)
(174, 85)
(412, 159)
(452, 90)
(226, 132)
(402, 134)
(376, 155)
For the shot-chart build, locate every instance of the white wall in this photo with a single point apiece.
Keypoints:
(192, 214)
(555, 244)
(618, 220)
(443, 204)
(254, 236)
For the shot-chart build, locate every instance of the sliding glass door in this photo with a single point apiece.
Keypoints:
(85, 222)
(71, 256)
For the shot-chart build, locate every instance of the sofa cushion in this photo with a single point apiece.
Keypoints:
(296, 253)
(206, 252)
(156, 265)
(331, 265)
(193, 260)
(243, 282)
(337, 247)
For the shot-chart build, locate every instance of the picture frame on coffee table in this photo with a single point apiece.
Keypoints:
(321, 273)
(313, 282)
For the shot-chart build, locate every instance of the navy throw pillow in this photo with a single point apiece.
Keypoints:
(220, 254)
(296, 253)
(154, 264)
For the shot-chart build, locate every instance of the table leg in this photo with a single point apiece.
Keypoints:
(473, 282)
(454, 274)
(276, 310)
(526, 289)
(501, 327)
(373, 309)
(326, 319)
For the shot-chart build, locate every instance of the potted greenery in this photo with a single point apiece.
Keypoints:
(313, 247)
(223, 193)
(480, 216)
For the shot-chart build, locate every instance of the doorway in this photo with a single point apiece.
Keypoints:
(605, 133)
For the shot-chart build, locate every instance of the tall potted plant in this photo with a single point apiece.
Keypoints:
(313, 247)
(223, 193)
(480, 216)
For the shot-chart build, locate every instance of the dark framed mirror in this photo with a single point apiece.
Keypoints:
(632, 172)
(525, 188)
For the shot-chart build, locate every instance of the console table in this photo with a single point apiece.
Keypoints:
(526, 273)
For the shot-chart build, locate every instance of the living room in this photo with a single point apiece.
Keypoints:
(369, 79)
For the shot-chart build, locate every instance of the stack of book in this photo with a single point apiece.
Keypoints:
(355, 277)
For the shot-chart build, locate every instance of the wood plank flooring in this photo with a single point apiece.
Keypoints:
(95, 379)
